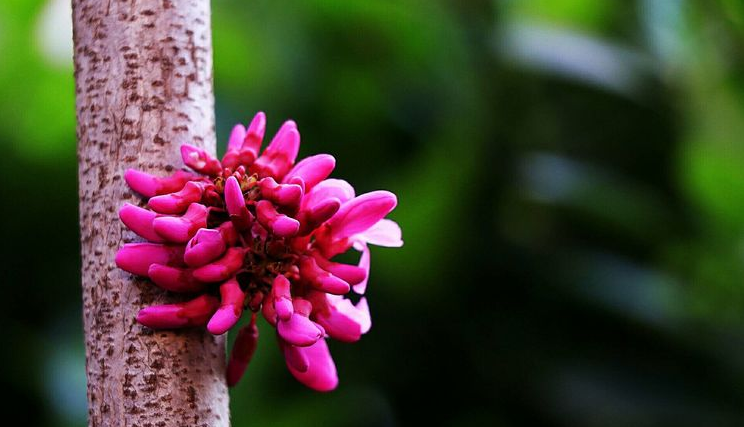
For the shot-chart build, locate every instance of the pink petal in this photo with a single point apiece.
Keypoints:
(206, 245)
(384, 233)
(364, 264)
(237, 135)
(231, 307)
(281, 153)
(176, 203)
(242, 352)
(344, 321)
(361, 213)
(351, 274)
(235, 203)
(150, 185)
(299, 330)
(255, 134)
(313, 216)
(280, 224)
(223, 268)
(321, 279)
(140, 220)
(174, 279)
(288, 195)
(136, 258)
(312, 170)
(182, 229)
(199, 160)
(321, 372)
(282, 299)
(190, 313)
(327, 189)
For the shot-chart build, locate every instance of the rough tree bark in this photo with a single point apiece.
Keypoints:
(143, 71)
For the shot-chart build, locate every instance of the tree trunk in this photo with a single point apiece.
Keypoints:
(143, 71)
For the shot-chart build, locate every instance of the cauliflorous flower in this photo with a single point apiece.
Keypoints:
(257, 232)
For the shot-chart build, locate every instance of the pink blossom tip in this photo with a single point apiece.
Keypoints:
(199, 160)
(189, 313)
(150, 185)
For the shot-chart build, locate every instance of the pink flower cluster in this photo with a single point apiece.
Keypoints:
(256, 231)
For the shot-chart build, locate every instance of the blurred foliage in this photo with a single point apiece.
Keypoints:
(571, 185)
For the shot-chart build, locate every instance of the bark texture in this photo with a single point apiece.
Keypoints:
(143, 72)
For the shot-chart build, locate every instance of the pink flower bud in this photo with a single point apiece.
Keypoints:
(235, 203)
(174, 279)
(199, 160)
(351, 274)
(176, 203)
(181, 229)
(321, 279)
(299, 330)
(327, 189)
(343, 320)
(361, 213)
(242, 352)
(150, 185)
(321, 371)
(223, 268)
(206, 245)
(288, 195)
(243, 146)
(136, 258)
(231, 307)
(281, 153)
(140, 220)
(295, 357)
(190, 313)
(279, 224)
(312, 170)
(282, 299)
(313, 216)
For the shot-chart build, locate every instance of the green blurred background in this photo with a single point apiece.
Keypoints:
(571, 184)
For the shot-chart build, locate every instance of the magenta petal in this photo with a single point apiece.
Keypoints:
(176, 203)
(299, 330)
(327, 189)
(384, 233)
(312, 170)
(313, 216)
(242, 352)
(136, 258)
(255, 133)
(235, 203)
(321, 372)
(361, 213)
(279, 224)
(151, 185)
(288, 195)
(189, 313)
(344, 321)
(140, 220)
(206, 245)
(237, 135)
(286, 142)
(199, 160)
(282, 299)
(223, 268)
(295, 357)
(174, 279)
(364, 264)
(182, 229)
(352, 274)
(321, 279)
(231, 307)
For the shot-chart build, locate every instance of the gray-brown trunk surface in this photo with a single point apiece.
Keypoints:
(143, 80)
